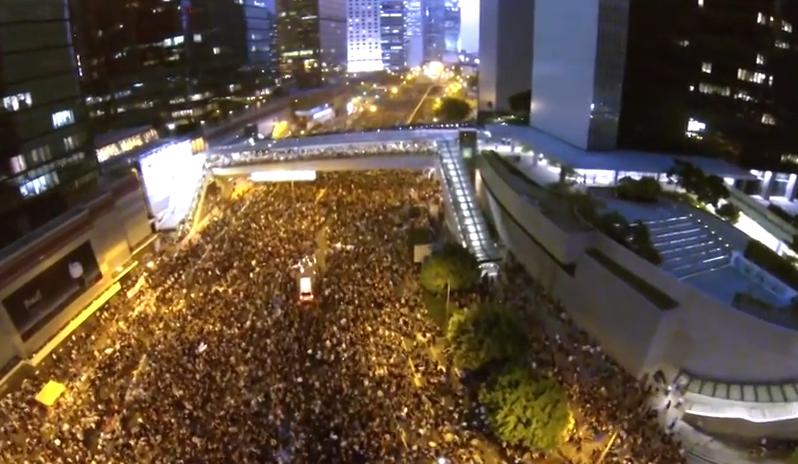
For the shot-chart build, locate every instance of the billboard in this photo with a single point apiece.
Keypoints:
(172, 173)
(46, 295)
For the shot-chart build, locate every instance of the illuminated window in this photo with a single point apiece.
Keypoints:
(217, 50)
(17, 164)
(197, 38)
(63, 118)
(760, 58)
(786, 27)
(18, 101)
(695, 128)
(743, 95)
(761, 19)
(706, 67)
(711, 89)
(782, 44)
(751, 76)
(701, 3)
(768, 119)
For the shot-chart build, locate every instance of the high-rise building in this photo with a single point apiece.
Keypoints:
(363, 36)
(312, 39)
(45, 154)
(392, 34)
(505, 46)
(170, 63)
(451, 28)
(434, 29)
(414, 33)
(706, 77)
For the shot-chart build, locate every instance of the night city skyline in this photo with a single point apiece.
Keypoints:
(413, 231)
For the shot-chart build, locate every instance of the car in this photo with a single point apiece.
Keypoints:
(306, 289)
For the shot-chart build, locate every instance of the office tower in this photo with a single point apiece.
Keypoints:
(434, 29)
(45, 155)
(414, 33)
(363, 34)
(173, 64)
(505, 47)
(392, 34)
(712, 78)
(451, 26)
(312, 39)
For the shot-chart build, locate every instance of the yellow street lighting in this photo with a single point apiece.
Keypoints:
(394, 90)
(373, 108)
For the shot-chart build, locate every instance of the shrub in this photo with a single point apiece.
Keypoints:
(436, 308)
(729, 212)
(526, 411)
(707, 189)
(453, 268)
(770, 261)
(485, 334)
(645, 190)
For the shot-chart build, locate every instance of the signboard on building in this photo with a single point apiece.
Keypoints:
(46, 295)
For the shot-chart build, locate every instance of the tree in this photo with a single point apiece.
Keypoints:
(453, 109)
(567, 174)
(707, 189)
(526, 411)
(729, 212)
(645, 190)
(452, 269)
(793, 459)
(484, 334)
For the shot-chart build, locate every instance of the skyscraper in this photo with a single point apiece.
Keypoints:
(414, 33)
(434, 29)
(170, 63)
(363, 33)
(392, 32)
(45, 155)
(312, 39)
(451, 27)
(505, 58)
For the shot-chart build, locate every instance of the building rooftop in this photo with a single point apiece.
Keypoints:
(615, 160)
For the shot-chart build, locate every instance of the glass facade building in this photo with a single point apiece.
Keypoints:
(434, 29)
(45, 154)
(149, 62)
(312, 39)
(392, 32)
(363, 36)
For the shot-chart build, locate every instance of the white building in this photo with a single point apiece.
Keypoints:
(364, 44)
(414, 40)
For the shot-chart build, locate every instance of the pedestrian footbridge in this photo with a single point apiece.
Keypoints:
(395, 149)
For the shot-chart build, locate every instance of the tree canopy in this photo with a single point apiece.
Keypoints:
(453, 267)
(526, 411)
(483, 334)
(521, 101)
(453, 109)
(708, 189)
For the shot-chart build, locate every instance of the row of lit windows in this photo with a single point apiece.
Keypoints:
(18, 101)
(37, 156)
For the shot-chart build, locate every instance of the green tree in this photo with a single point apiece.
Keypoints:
(484, 334)
(645, 190)
(793, 459)
(452, 269)
(729, 212)
(707, 189)
(526, 411)
(453, 109)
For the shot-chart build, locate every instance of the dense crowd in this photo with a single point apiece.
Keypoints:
(215, 360)
(608, 401)
(410, 147)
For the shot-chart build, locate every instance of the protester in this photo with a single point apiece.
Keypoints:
(214, 359)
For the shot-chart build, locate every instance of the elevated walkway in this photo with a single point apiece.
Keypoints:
(472, 229)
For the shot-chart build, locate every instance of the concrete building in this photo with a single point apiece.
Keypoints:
(363, 36)
(50, 277)
(434, 29)
(505, 52)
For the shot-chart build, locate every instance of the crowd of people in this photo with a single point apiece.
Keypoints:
(211, 358)
(409, 147)
(607, 400)
(215, 359)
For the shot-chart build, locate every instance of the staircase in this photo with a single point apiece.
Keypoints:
(688, 247)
